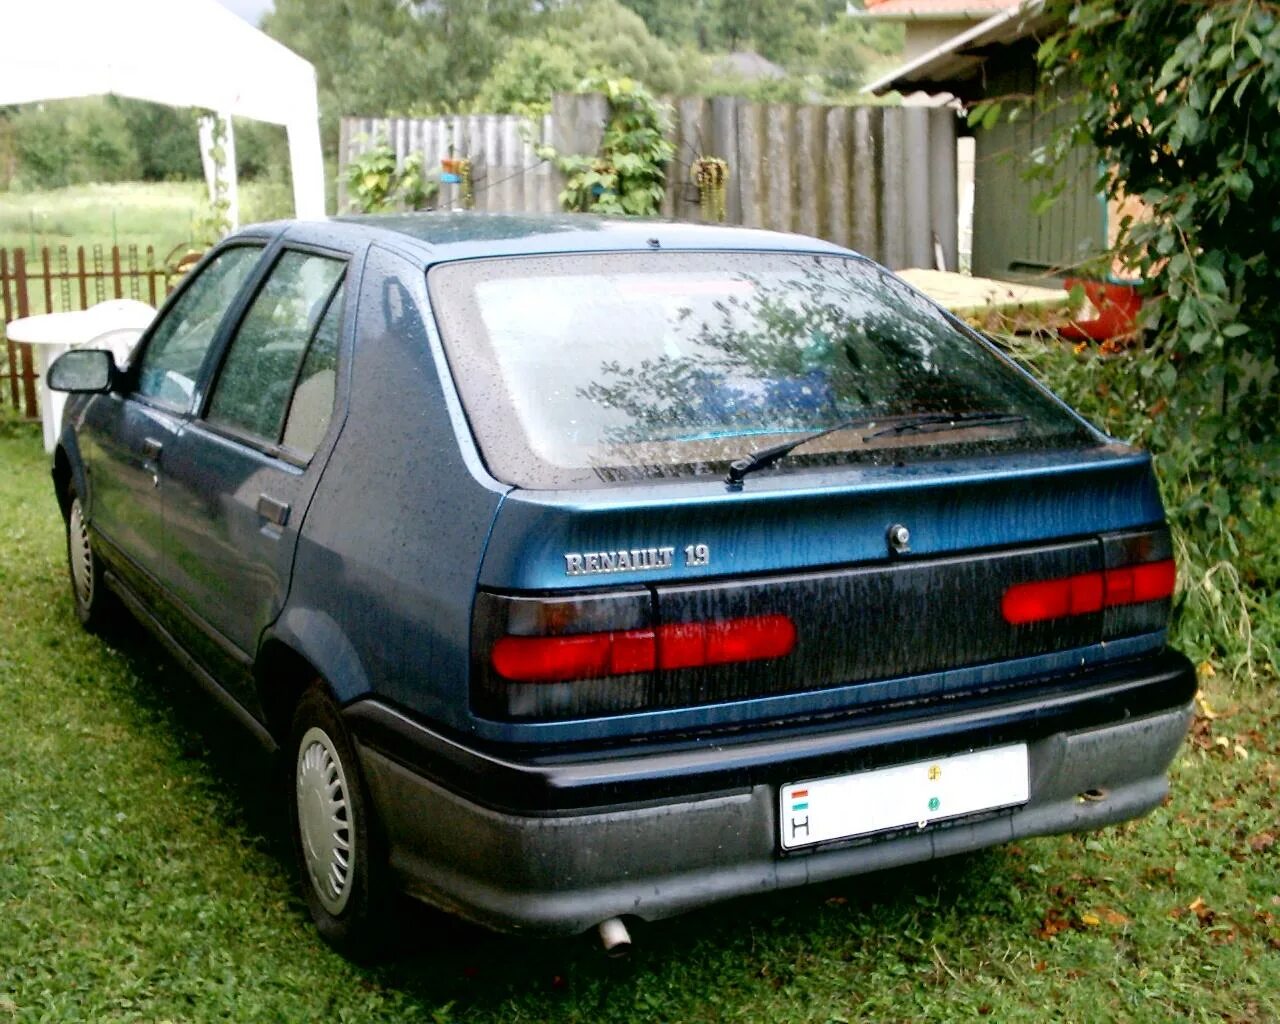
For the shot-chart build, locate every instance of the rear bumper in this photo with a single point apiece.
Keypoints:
(701, 822)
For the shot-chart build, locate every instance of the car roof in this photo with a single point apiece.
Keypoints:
(437, 237)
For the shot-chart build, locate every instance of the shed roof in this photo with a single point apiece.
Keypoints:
(954, 65)
(950, 10)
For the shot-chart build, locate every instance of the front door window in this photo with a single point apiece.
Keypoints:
(170, 364)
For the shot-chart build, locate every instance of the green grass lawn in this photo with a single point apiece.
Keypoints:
(145, 875)
(160, 214)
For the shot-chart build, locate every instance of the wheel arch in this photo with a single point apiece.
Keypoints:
(63, 479)
(304, 645)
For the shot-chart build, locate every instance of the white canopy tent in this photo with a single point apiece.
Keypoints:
(185, 53)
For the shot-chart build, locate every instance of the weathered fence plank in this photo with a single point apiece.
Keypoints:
(749, 174)
(944, 197)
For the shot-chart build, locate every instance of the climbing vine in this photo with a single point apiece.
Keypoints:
(213, 224)
(629, 173)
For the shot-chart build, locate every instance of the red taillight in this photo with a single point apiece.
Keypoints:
(553, 659)
(1088, 592)
(1134, 584)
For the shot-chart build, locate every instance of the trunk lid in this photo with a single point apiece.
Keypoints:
(873, 623)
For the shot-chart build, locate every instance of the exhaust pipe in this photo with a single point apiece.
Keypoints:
(614, 937)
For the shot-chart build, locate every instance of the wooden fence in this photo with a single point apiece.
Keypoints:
(881, 180)
(56, 280)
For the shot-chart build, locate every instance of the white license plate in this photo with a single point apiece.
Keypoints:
(905, 795)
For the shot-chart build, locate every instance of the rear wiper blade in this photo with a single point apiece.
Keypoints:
(768, 456)
(944, 420)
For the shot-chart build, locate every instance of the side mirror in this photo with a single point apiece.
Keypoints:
(82, 370)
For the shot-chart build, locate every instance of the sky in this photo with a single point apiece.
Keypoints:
(251, 10)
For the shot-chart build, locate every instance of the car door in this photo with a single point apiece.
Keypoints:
(240, 474)
(126, 433)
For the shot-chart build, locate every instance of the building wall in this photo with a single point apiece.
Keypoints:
(923, 36)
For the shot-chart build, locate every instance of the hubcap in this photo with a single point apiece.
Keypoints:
(324, 819)
(81, 556)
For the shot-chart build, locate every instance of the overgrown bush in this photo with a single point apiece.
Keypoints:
(1181, 100)
(1226, 531)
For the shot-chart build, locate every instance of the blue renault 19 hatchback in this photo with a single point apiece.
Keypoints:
(587, 569)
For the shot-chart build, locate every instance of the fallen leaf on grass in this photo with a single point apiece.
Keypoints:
(1091, 920)
(1111, 916)
(1204, 913)
(1201, 735)
(1262, 842)
(1053, 924)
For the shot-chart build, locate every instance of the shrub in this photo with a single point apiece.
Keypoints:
(1182, 102)
(1226, 531)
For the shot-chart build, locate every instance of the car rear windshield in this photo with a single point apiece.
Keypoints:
(584, 369)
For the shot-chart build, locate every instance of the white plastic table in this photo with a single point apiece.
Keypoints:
(115, 325)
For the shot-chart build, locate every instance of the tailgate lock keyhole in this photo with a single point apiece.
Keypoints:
(899, 539)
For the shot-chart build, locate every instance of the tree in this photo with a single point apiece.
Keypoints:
(69, 142)
(371, 56)
(165, 139)
(599, 38)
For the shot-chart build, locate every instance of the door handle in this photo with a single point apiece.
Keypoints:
(273, 511)
(151, 448)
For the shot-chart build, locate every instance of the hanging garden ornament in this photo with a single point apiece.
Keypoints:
(464, 179)
(711, 174)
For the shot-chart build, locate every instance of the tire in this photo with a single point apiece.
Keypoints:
(341, 856)
(94, 604)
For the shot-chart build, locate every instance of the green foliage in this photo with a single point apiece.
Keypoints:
(628, 175)
(262, 151)
(585, 38)
(164, 138)
(394, 57)
(531, 72)
(69, 142)
(376, 185)
(1182, 101)
(423, 57)
(111, 139)
(1226, 530)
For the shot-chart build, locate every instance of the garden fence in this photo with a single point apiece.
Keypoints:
(56, 280)
(881, 180)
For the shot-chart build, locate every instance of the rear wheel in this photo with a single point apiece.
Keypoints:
(93, 602)
(340, 855)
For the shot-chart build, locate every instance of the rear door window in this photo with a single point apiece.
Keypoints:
(295, 311)
(583, 369)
